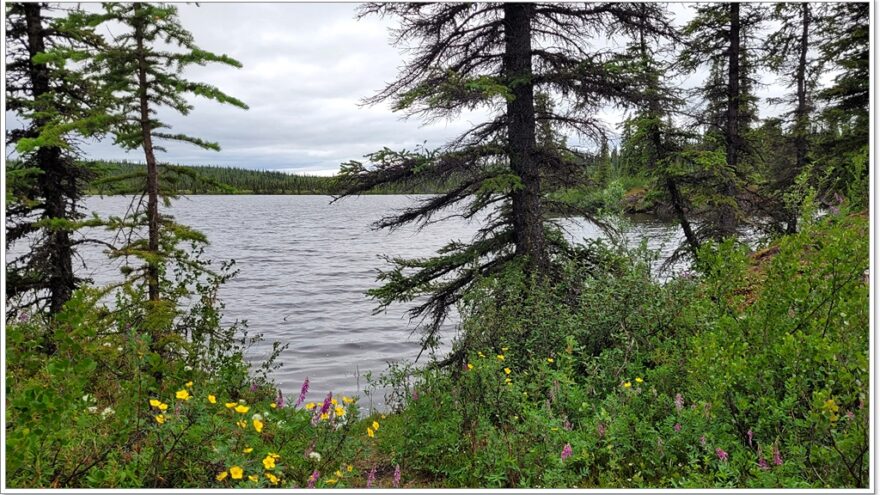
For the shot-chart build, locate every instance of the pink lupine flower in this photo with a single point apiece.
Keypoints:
(302, 393)
(566, 451)
(750, 434)
(323, 410)
(679, 402)
(777, 456)
(722, 455)
(762, 463)
(371, 477)
(677, 427)
(313, 478)
(396, 481)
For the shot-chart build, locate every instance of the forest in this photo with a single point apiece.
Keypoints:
(574, 364)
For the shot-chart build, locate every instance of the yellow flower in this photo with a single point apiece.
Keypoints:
(236, 472)
(500, 357)
(481, 354)
(507, 381)
(258, 425)
(338, 473)
(155, 402)
(241, 408)
(627, 385)
(554, 428)
(160, 419)
(189, 384)
(506, 371)
(347, 400)
(550, 360)
(376, 425)
(325, 416)
(230, 405)
(274, 455)
(182, 394)
(639, 379)
(470, 366)
(273, 405)
(163, 407)
(241, 424)
(212, 399)
(504, 349)
(222, 476)
(269, 462)
(253, 477)
(334, 402)
(349, 468)
(248, 450)
(310, 406)
(271, 477)
(340, 411)
(370, 432)
(331, 481)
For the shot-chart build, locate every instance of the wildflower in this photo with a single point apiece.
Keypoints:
(92, 409)
(253, 387)
(677, 427)
(470, 366)
(349, 468)
(777, 456)
(831, 408)
(506, 371)
(505, 349)
(600, 430)
(276, 456)
(703, 440)
(331, 481)
(222, 476)
(313, 478)
(160, 419)
(253, 477)
(566, 451)
(163, 407)
(315, 456)
(279, 400)
(750, 434)
(153, 402)
(627, 384)
(481, 354)
(371, 477)
(272, 478)
(762, 463)
(415, 394)
(850, 415)
(187, 368)
(339, 411)
(183, 394)
(258, 425)
(550, 360)
(236, 472)
(500, 357)
(269, 462)
(722, 455)
(189, 384)
(370, 432)
(212, 399)
(376, 425)
(338, 473)
(230, 405)
(108, 411)
(639, 379)
(310, 406)
(325, 416)
(241, 424)
(241, 409)
(347, 400)
(396, 481)
(566, 425)
(248, 450)
(508, 381)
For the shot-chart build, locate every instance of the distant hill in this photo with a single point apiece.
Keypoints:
(120, 177)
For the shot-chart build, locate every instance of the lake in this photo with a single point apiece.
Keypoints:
(304, 267)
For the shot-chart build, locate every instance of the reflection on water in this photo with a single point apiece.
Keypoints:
(304, 266)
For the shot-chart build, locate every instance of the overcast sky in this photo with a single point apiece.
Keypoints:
(306, 69)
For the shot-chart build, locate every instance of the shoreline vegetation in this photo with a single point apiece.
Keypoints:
(573, 364)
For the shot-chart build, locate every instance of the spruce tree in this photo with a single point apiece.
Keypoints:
(59, 103)
(498, 57)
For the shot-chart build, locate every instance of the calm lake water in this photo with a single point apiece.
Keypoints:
(304, 267)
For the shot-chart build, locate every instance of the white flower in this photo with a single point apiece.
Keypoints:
(315, 456)
(258, 417)
(93, 409)
(119, 348)
(87, 398)
(106, 344)
(187, 368)
(108, 411)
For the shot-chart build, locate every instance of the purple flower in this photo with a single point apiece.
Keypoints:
(371, 477)
(777, 456)
(396, 481)
(415, 394)
(677, 427)
(679, 402)
(254, 387)
(323, 410)
(762, 463)
(750, 434)
(302, 393)
(722, 455)
(600, 429)
(703, 440)
(279, 401)
(313, 478)
(566, 451)
(24, 317)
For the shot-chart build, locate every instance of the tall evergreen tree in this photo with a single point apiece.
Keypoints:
(47, 89)
(143, 66)
(495, 56)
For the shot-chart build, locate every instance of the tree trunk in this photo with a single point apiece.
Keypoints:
(801, 112)
(59, 250)
(152, 171)
(528, 222)
(727, 215)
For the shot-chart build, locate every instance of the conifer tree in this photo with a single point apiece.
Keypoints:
(143, 67)
(59, 103)
(494, 56)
